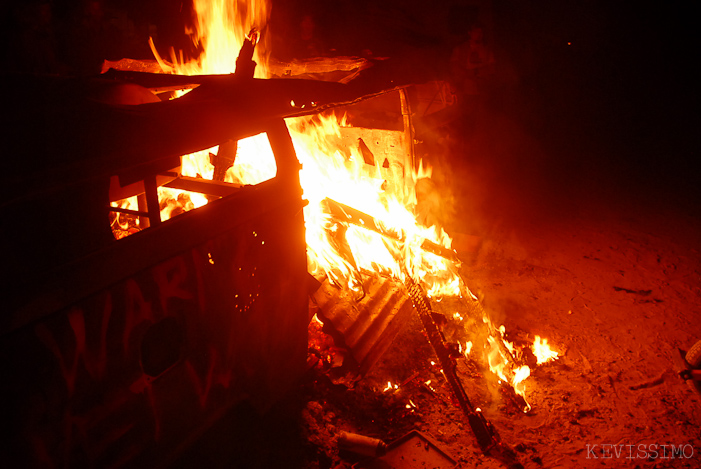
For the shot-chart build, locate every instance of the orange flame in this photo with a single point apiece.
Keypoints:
(331, 169)
(222, 27)
(542, 350)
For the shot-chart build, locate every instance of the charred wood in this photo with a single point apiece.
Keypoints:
(347, 214)
(203, 186)
(136, 213)
(245, 68)
(81, 139)
(224, 159)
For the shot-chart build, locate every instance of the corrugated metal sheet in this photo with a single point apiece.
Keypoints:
(367, 326)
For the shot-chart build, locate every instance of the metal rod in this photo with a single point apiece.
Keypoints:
(482, 429)
(137, 213)
(485, 433)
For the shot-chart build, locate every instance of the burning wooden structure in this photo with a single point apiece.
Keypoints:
(122, 351)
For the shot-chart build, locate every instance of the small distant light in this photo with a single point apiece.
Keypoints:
(569, 43)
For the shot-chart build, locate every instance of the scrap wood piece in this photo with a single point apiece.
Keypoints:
(134, 65)
(203, 186)
(341, 69)
(300, 96)
(345, 213)
(125, 138)
(509, 393)
(651, 383)
(245, 68)
(634, 292)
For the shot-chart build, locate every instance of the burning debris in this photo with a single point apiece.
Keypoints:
(364, 243)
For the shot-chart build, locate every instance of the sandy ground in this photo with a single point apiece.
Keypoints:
(616, 291)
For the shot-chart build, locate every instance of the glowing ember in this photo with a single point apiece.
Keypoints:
(390, 387)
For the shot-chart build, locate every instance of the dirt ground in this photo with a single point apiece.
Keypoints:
(616, 292)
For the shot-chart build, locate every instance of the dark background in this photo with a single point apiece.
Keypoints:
(600, 97)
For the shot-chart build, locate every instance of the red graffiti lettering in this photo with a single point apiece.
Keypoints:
(94, 365)
(170, 276)
(213, 376)
(137, 311)
(200, 263)
(144, 385)
(202, 389)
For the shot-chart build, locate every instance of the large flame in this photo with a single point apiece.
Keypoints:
(220, 30)
(331, 170)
